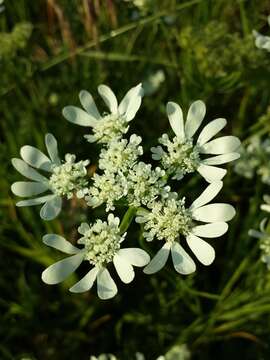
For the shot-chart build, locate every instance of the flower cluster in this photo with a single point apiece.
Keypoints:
(123, 179)
(255, 158)
(178, 352)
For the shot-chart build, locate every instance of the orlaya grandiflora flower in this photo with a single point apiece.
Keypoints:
(102, 242)
(184, 156)
(64, 179)
(171, 219)
(108, 126)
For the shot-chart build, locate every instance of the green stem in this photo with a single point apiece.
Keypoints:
(127, 219)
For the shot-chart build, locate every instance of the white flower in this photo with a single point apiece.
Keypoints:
(120, 155)
(103, 357)
(102, 242)
(153, 81)
(64, 180)
(255, 157)
(170, 220)
(266, 206)
(264, 237)
(2, 6)
(145, 184)
(183, 156)
(108, 126)
(262, 41)
(107, 188)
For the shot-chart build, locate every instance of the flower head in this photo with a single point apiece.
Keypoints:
(120, 155)
(66, 179)
(110, 125)
(182, 156)
(171, 221)
(107, 188)
(145, 184)
(101, 241)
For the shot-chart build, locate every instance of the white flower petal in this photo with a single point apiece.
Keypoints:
(204, 252)
(86, 282)
(131, 102)
(207, 195)
(211, 173)
(51, 145)
(222, 145)
(211, 230)
(89, 105)
(221, 159)
(59, 243)
(135, 256)
(159, 260)
(51, 208)
(27, 171)
(36, 201)
(265, 207)
(59, 271)
(106, 287)
(182, 262)
(214, 213)
(195, 117)
(109, 98)
(210, 130)
(28, 188)
(175, 116)
(35, 158)
(124, 269)
(78, 116)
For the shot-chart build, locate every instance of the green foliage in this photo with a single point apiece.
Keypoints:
(51, 50)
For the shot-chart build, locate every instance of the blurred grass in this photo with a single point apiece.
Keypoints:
(206, 51)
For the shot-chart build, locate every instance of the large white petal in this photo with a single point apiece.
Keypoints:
(222, 145)
(211, 230)
(28, 188)
(78, 116)
(214, 213)
(89, 105)
(131, 102)
(211, 173)
(36, 201)
(195, 117)
(176, 120)
(35, 158)
(27, 171)
(182, 262)
(51, 208)
(210, 130)
(135, 256)
(109, 98)
(59, 243)
(59, 271)
(124, 269)
(204, 252)
(86, 282)
(159, 260)
(106, 287)
(221, 159)
(207, 195)
(51, 145)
